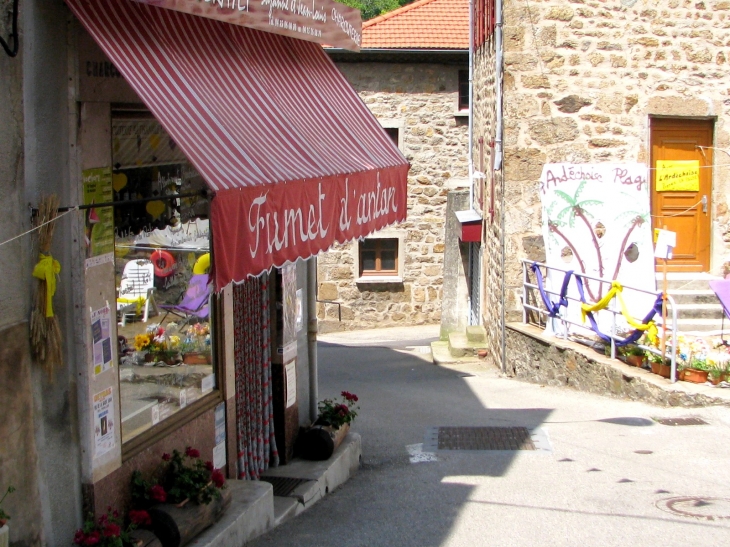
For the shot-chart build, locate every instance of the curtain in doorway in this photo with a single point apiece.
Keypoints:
(254, 408)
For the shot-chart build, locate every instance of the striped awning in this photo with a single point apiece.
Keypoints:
(296, 160)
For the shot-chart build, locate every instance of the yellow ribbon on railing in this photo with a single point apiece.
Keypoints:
(603, 302)
(46, 270)
(650, 328)
(140, 300)
(616, 290)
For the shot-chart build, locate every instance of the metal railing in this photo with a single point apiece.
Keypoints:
(532, 302)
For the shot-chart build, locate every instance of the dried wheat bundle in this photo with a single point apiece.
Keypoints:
(45, 332)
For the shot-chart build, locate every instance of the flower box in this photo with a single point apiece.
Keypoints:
(197, 358)
(695, 376)
(176, 526)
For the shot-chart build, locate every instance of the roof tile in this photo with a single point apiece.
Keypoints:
(424, 24)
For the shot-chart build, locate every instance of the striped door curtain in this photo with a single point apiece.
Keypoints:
(254, 407)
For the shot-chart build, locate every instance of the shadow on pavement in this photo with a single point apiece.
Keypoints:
(392, 501)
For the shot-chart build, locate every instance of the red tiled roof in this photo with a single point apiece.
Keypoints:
(424, 24)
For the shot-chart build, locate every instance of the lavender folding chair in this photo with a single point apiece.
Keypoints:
(721, 288)
(195, 300)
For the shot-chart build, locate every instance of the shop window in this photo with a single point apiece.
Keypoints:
(379, 257)
(463, 90)
(162, 260)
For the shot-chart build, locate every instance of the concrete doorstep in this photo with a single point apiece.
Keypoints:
(254, 509)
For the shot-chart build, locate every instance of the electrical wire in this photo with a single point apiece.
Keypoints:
(39, 226)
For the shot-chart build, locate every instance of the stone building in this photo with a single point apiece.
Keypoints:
(412, 72)
(591, 81)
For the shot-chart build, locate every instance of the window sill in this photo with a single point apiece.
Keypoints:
(372, 279)
(461, 114)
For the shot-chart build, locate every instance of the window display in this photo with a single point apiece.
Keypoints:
(162, 263)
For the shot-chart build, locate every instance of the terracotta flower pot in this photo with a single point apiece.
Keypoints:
(655, 367)
(196, 358)
(695, 376)
(665, 371)
(635, 360)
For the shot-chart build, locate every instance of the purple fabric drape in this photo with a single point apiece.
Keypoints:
(254, 408)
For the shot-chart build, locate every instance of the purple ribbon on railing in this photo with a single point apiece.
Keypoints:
(552, 308)
(634, 336)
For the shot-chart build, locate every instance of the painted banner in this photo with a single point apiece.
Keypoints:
(97, 184)
(320, 21)
(257, 228)
(677, 176)
(596, 220)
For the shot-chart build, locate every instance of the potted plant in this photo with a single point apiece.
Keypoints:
(330, 428)
(186, 496)
(655, 361)
(697, 371)
(4, 518)
(109, 529)
(156, 345)
(633, 355)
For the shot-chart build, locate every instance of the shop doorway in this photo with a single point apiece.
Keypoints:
(684, 208)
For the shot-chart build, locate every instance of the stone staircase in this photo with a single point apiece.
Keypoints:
(698, 309)
(461, 347)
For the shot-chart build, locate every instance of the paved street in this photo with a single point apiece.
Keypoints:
(610, 474)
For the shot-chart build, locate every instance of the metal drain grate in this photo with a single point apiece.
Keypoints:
(681, 421)
(484, 438)
(283, 486)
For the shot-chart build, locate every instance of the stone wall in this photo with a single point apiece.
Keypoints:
(421, 101)
(582, 79)
(490, 196)
(543, 360)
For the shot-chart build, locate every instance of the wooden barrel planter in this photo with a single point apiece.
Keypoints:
(319, 442)
(177, 525)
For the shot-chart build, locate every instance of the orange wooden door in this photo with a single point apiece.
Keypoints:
(685, 212)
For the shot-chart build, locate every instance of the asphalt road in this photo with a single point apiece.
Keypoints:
(610, 475)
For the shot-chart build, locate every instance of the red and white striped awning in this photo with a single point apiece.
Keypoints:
(296, 160)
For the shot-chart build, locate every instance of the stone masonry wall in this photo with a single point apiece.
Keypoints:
(545, 360)
(491, 189)
(421, 100)
(583, 77)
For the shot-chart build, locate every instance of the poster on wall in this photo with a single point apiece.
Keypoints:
(290, 370)
(103, 422)
(596, 221)
(101, 339)
(97, 185)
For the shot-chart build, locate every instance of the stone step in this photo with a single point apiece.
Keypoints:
(693, 296)
(442, 356)
(460, 345)
(476, 333)
(699, 311)
(685, 281)
(284, 509)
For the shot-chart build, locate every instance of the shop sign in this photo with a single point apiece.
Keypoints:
(677, 176)
(321, 21)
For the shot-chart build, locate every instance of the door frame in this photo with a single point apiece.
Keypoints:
(711, 196)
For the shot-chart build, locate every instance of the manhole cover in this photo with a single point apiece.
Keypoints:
(484, 438)
(283, 486)
(681, 421)
(697, 507)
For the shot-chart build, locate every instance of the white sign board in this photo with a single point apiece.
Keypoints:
(596, 220)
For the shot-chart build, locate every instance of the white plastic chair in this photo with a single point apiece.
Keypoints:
(136, 290)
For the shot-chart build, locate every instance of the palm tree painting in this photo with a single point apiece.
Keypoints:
(576, 209)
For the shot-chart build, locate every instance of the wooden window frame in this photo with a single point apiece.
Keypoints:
(379, 272)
